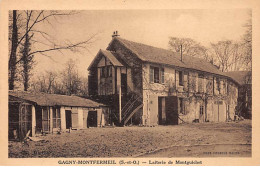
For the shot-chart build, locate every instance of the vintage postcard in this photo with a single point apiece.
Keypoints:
(120, 83)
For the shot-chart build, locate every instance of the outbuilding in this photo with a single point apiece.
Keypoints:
(48, 113)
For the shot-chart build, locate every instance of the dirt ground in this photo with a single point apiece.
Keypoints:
(187, 140)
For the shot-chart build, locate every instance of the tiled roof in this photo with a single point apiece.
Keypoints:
(240, 76)
(110, 55)
(44, 99)
(163, 56)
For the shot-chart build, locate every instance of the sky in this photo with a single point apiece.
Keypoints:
(152, 27)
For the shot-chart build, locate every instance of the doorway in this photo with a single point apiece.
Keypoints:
(201, 117)
(68, 119)
(161, 111)
(171, 108)
(92, 119)
(168, 110)
(45, 119)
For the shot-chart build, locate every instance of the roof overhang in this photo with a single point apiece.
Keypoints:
(109, 55)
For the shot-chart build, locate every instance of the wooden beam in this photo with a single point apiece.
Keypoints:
(33, 121)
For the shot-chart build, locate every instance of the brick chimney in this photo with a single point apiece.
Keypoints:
(115, 34)
(181, 54)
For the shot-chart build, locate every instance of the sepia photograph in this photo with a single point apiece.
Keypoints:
(129, 83)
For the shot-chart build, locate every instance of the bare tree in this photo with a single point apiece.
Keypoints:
(228, 55)
(32, 19)
(247, 45)
(65, 82)
(46, 82)
(83, 86)
(189, 47)
(71, 78)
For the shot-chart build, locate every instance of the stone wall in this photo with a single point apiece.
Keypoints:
(205, 98)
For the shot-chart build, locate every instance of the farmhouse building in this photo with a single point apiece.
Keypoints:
(48, 113)
(152, 86)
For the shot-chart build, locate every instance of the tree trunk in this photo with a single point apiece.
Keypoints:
(26, 61)
(25, 64)
(12, 59)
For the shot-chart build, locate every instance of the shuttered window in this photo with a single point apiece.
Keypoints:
(151, 74)
(162, 75)
(156, 75)
(201, 83)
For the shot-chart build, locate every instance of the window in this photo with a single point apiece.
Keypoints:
(180, 78)
(156, 75)
(201, 110)
(224, 87)
(106, 71)
(162, 75)
(209, 87)
(201, 83)
(109, 71)
(56, 118)
(218, 84)
(103, 72)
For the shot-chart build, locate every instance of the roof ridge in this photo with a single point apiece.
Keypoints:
(153, 54)
(168, 50)
(144, 44)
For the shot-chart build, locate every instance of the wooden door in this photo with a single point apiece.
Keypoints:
(68, 119)
(171, 108)
(161, 111)
(45, 119)
(153, 110)
(74, 118)
(25, 120)
(92, 119)
(85, 118)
